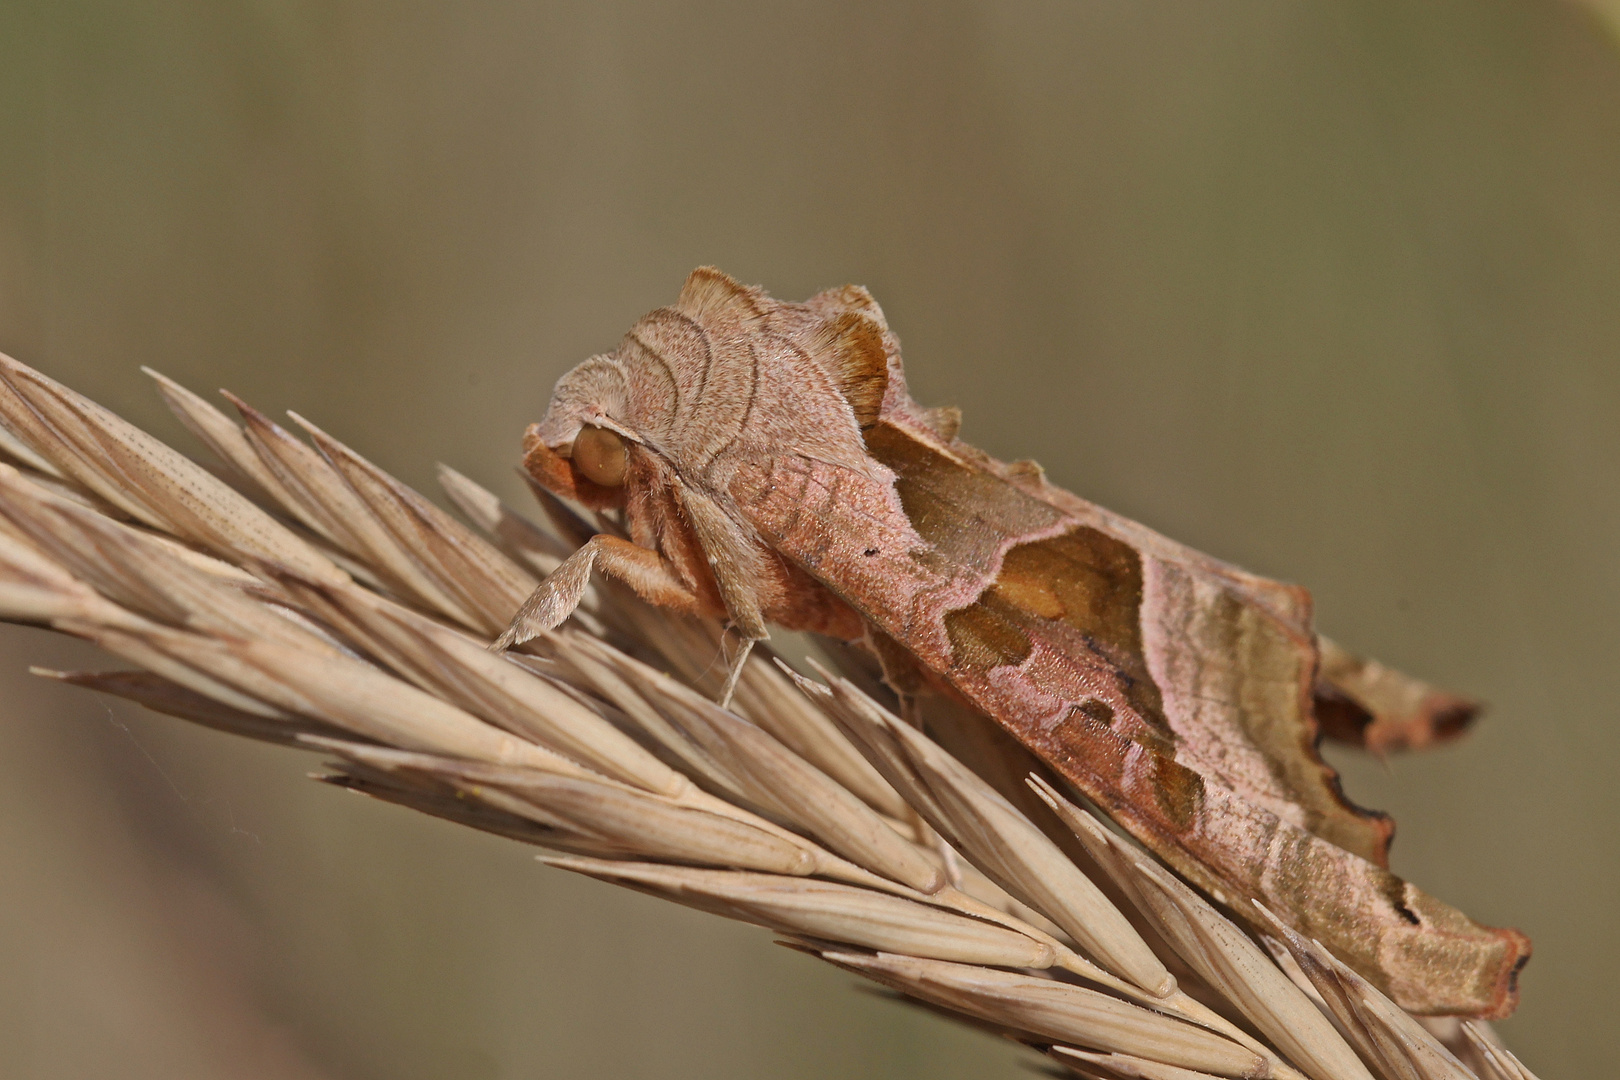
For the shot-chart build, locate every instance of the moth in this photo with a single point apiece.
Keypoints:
(771, 468)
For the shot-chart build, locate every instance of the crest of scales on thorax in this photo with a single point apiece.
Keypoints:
(772, 468)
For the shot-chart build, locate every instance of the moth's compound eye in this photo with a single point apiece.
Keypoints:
(601, 455)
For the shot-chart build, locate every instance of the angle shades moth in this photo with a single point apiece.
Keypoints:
(771, 468)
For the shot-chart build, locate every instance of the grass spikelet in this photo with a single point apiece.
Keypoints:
(339, 610)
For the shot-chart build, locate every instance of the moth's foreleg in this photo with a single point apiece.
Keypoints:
(734, 672)
(646, 572)
(902, 672)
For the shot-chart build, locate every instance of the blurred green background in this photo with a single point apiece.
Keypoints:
(1325, 289)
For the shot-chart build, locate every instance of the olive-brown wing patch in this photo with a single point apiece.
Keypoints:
(985, 635)
(965, 514)
(1090, 582)
(1084, 578)
(1080, 590)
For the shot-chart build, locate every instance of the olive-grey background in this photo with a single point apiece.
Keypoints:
(1326, 289)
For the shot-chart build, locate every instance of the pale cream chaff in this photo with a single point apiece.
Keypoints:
(317, 601)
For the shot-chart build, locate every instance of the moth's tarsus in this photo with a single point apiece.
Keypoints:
(735, 672)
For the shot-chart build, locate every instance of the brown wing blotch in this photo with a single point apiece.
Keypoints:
(850, 349)
(1085, 579)
(982, 635)
(962, 512)
(708, 292)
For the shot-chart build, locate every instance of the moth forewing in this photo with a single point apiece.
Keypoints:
(782, 474)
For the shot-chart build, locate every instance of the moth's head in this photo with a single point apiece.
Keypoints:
(618, 409)
(583, 446)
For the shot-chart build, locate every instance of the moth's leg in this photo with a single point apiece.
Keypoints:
(734, 672)
(911, 711)
(902, 672)
(738, 565)
(904, 675)
(646, 572)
